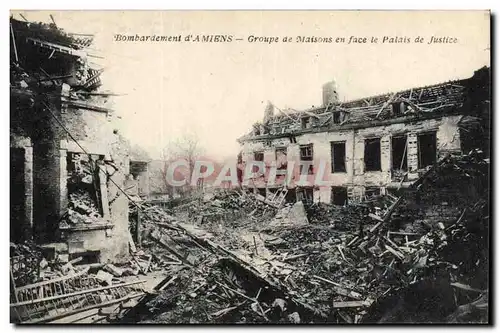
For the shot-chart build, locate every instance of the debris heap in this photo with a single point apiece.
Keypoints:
(332, 270)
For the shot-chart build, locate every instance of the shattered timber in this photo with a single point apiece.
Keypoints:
(402, 237)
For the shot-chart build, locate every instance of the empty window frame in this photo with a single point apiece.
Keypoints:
(427, 149)
(338, 156)
(281, 159)
(258, 156)
(306, 154)
(339, 196)
(306, 122)
(399, 153)
(305, 195)
(398, 108)
(372, 155)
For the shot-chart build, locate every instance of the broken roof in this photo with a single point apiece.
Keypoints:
(50, 33)
(416, 103)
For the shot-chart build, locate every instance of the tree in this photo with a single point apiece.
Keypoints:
(188, 148)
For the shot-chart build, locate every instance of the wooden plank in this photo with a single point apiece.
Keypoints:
(376, 226)
(87, 106)
(348, 304)
(138, 228)
(466, 287)
(385, 105)
(131, 243)
(14, 43)
(103, 187)
(375, 217)
(399, 255)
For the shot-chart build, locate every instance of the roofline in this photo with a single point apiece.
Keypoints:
(353, 126)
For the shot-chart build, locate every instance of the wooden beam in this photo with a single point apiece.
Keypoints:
(311, 114)
(14, 43)
(349, 304)
(385, 105)
(87, 106)
(286, 114)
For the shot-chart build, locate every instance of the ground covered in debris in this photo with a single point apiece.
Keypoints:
(241, 261)
(230, 257)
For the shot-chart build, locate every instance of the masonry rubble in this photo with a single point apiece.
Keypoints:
(68, 171)
(315, 272)
(345, 265)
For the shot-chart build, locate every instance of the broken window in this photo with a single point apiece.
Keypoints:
(398, 108)
(281, 160)
(338, 156)
(372, 155)
(399, 153)
(291, 196)
(306, 154)
(427, 149)
(258, 156)
(339, 196)
(306, 122)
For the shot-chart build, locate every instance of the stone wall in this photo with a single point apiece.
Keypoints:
(93, 131)
(356, 178)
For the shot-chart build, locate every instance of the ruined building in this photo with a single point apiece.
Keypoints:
(370, 145)
(69, 165)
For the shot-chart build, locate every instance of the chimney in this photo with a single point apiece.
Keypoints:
(330, 94)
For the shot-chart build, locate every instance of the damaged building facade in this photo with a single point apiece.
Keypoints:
(372, 145)
(69, 165)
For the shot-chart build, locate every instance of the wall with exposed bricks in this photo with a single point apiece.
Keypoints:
(93, 130)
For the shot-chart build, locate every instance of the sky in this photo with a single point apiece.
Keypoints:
(216, 91)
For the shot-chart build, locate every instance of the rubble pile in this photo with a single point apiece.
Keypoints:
(82, 208)
(210, 283)
(83, 194)
(44, 290)
(332, 268)
(24, 260)
(342, 218)
(230, 206)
